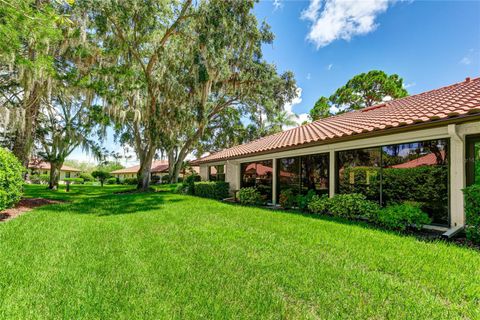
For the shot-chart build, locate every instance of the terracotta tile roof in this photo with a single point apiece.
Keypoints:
(158, 166)
(460, 99)
(46, 166)
(427, 160)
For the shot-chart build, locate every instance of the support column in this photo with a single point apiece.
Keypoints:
(232, 175)
(274, 182)
(332, 174)
(457, 177)
(204, 172)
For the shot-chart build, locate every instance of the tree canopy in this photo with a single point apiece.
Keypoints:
(172, 78)
(363, 90)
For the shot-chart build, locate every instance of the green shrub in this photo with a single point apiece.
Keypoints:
(319, 204)
(101, 175)
(44, 178)
(11, 179)
(214, 190)
(287, 199)
(187, 186)
(39, 178)
(352, 205)
(87, 177)
(250, 196)
(304, 199)
(402, 216)
(112, 180)
(74, 180)
(130, 181)
(472, 213)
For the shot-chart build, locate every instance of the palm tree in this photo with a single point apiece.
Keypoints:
(282, 119)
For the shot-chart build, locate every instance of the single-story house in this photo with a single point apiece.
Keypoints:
(42, 167)
(423, 148)
(159, 170)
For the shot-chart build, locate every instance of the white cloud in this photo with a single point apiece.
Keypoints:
(409, 85)
(342, 19)
(289, 108)
(309, 76)
(277, 4)
(466, 61)
(329, 67)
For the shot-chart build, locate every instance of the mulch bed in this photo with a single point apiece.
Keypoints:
(23, 206)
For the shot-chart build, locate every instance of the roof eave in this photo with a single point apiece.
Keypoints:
(355, 136)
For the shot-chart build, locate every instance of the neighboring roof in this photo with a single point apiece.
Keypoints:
(460, 99)
(46, 166)
(427, 160)
(158, 166)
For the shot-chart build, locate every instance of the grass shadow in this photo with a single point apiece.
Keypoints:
(422, 235)
(106, 201)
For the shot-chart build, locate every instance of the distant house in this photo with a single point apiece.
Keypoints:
(42, 167)
(158, 171)
(421, 148)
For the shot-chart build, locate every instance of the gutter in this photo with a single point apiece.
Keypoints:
(469, 117)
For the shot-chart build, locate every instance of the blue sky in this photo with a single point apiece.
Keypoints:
(326, 42)
(428, 43)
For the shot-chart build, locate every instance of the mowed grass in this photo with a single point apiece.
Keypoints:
(161, 255)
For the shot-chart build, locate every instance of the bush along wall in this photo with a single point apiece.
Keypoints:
(472, 213)
(11, 179)
(214, 190)
(398, 216)
(250, 196)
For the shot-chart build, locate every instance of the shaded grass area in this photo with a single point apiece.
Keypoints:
(162, 255)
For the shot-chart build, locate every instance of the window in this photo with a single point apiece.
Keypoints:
(289, 174)
(417, 172)
(216, 173)
(314, 174)
(304, 173)
(358, 172)
(67, 175)
(473, 160)
(390, 174)
(259, 175)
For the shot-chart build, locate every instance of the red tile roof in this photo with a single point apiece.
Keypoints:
(427, 160)
(460, 99)
(158, 166)
(46, 166)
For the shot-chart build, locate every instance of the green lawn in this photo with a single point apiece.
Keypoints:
(160, 255)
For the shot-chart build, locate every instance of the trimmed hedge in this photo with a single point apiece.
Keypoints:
(87, 177)
(319, 204)
(250, 196)
(74, 180)
(111, 180)
(402, 216)
(302, 200)
(472, 213)
(11, 179)
(214, 190)
(130, 181)
(39, 178)
(350, 206)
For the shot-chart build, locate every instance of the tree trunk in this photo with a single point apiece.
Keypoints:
(143, 175)
(54, 175)
(24, 140)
